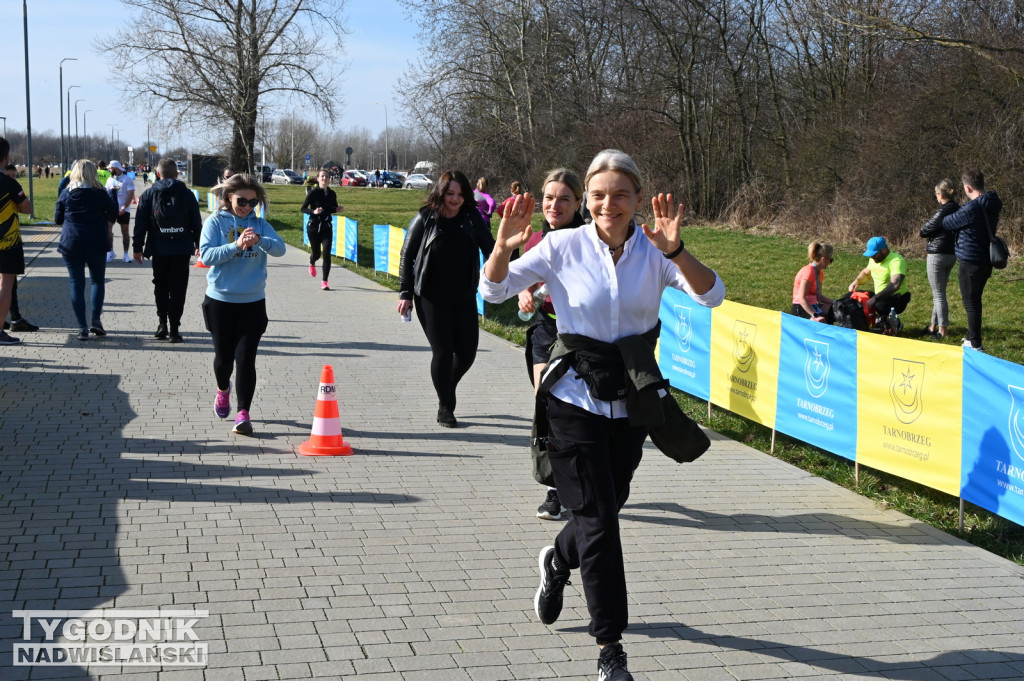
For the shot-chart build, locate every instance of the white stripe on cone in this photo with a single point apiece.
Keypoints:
(326, 427)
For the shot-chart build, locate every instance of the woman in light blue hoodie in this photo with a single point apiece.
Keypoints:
(235, 244)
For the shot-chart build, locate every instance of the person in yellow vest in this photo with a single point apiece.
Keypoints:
(888, 272)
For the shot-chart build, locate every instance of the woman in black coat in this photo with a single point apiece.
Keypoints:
(940, 258)
(85, 209)
(439, 272)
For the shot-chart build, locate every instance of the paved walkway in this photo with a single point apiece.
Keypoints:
(415, 559)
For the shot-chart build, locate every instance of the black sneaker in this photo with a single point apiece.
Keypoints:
(161, 332)
(97, 329)
(23, 325)
(611, 666)
(551, 509)
(548, 601)
(445, 417)
(176, 337)
(83, 334)
(8, 339)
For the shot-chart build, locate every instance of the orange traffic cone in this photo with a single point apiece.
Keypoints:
(326, 438)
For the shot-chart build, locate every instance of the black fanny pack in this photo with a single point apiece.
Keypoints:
(603, 371)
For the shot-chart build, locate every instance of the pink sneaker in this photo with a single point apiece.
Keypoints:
(243, 426)
(222, 403)
(324, 286)
(312, 270)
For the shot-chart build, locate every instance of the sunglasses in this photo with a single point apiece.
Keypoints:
(252, 203)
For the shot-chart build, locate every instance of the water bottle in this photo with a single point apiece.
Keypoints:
(407, 315)
(539, 296)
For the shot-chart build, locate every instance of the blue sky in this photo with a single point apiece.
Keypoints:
(378, 49)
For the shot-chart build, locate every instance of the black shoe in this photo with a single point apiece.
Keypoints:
(176, 337)
(551, 509)
(97, 329)
(83, 334)
(445, 417)
(547, 603)
(23, 325)
(161, 331)
(7, 339)
(7, 325)
(611, 666)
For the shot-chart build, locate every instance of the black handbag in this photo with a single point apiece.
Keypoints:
(998, 253)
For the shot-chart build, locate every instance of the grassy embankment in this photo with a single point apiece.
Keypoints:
(758, 270)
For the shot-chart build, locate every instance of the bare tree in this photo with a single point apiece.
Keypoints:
(211, 62)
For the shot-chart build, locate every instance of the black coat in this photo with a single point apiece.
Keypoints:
(84, 212)
(320, 198)
(940, 241)
(147, 238)
(416, 250)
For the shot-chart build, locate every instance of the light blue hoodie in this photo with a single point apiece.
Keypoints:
(237, 276)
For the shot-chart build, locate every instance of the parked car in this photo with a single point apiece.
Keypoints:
(418, 181)
(263, 173)
(391, 179)
(285, 177)
(352, 178)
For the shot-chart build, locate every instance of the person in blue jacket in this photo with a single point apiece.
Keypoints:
(84, 209)
(235, 244)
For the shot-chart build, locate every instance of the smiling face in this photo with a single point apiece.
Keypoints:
(612, 200)
(244, 209)
(321, 179)
(453, 200)
(559, 204)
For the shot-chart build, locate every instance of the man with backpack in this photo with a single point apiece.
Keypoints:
(167, 229)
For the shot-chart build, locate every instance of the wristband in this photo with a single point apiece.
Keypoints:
(676, 252)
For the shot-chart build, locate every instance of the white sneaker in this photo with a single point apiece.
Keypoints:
(111, 256)
(967, 346)
(127, 258)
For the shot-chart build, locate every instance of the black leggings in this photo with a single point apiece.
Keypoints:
(236, 329)
(453, 333)
(320, 243)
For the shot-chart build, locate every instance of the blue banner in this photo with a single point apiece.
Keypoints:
(305, 232)
(351, 230)
(685, 345)
(992, 444)
(381, 234)
(480, 298)
(817, 398)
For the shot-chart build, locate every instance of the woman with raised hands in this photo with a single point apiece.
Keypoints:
(605, 280)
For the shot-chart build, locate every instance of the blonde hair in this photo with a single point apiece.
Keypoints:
(568, 178)
(233, 185)
(817, 250)
(83, 174)
(946, 188)
(620, 162)
(481, 184)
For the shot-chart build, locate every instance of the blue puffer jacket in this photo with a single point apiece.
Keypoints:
(84, 212)
(968, 226)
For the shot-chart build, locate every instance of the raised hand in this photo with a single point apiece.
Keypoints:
(515, 229)
(667, 216)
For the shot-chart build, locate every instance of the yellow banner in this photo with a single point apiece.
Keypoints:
(909, 398)
(396, 237)
(745, 360)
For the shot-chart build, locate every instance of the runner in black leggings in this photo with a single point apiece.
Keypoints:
(439, 271)
(320, 205)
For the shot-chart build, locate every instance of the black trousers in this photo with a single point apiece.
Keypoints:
(236, 329)
(972, 277)
(593, 459)
(453, 332)
(320, 240)
(898, 302)
(170, 284)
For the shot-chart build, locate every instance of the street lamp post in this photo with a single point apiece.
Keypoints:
(78, 149)
(85, 130)
(60, 96)
(28, 111)
(386, 166)
(5, 125)
(69, 120)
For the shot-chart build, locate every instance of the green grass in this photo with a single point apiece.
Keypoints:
(758, 270)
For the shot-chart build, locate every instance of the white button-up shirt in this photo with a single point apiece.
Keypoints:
(595, 297)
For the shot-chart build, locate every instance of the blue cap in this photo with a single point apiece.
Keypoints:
(875, 244)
